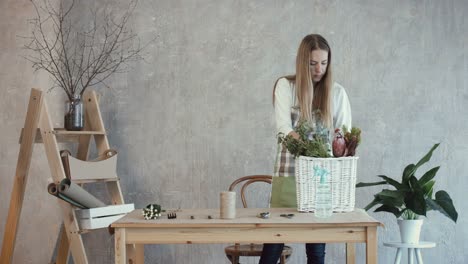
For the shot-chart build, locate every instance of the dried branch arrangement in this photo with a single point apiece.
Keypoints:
(79, 57)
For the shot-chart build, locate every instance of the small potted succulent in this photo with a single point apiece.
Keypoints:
(411, 198)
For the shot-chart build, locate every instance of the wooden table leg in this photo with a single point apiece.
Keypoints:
(120, 248)
(135, 253)
(131, 253)
(140, 254)
(371, 245)
(350, 253)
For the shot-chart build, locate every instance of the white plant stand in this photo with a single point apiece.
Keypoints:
(412, 250)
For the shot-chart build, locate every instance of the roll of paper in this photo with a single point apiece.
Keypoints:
(227, 208)
(78, 194)
(52, 188)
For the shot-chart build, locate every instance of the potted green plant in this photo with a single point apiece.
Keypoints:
(412, 198)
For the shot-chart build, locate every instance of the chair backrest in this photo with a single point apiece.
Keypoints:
(246, 181)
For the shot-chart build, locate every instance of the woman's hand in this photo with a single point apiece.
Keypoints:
(294, 134)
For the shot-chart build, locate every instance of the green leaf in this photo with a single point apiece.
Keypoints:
(411, 169)
(427, 189)
(429, 175)
(390, 193)
(391, 198)
(414, 200)
(414, 184)
(345, 129)
(366, 184)
(444, 204)
(375, 202)
(392, 182)
(408, 172)
(408, 214)
(394, 202)
(427, 157)
(390, 209)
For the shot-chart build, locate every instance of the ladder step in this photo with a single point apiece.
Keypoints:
(62, 131)
(63, 135)
(80, 181)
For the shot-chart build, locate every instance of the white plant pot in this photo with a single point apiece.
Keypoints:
(410, 230)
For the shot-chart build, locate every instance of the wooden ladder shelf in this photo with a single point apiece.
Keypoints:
(38, 128)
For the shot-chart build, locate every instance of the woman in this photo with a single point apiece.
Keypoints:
(296, 98)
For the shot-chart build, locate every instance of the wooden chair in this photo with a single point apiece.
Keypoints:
(234, 252)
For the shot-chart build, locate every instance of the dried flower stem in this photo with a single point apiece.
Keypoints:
(77, 58)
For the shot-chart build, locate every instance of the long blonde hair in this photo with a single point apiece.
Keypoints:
(312, 97)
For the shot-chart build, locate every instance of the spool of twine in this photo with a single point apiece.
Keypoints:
(227, 208)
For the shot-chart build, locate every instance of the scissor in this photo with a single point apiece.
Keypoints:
(287, 215)
(264, 215)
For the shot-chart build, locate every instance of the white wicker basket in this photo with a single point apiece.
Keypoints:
(341, 174)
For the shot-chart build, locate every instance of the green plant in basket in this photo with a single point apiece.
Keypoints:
(309, 144)
(412, 197)
(315, 142)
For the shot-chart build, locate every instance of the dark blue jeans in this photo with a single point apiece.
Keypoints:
(272, 252)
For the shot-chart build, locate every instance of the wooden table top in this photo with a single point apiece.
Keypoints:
(245, 217)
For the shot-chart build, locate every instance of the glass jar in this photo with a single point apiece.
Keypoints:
(74, 118)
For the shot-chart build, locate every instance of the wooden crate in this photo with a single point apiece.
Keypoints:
(102, 217)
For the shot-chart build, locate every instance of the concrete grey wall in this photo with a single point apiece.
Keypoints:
(197, 114)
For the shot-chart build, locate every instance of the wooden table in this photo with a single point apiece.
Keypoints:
(133, 231)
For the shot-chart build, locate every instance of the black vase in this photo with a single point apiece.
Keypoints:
(74, 119)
